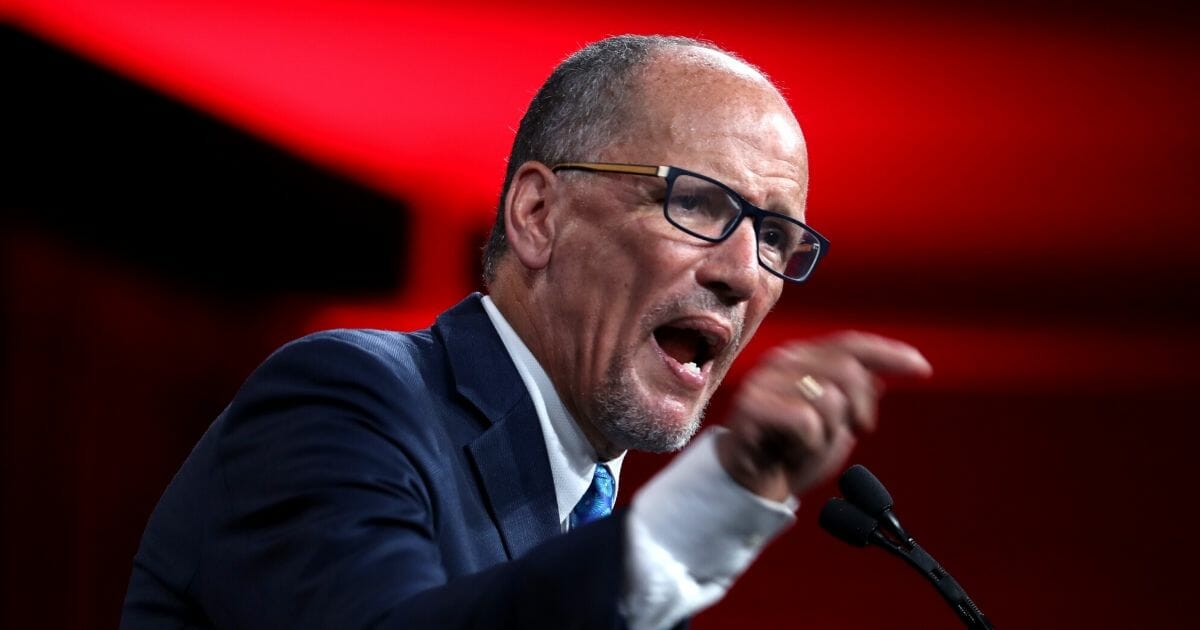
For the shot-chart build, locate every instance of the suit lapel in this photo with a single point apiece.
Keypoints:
(510, 455)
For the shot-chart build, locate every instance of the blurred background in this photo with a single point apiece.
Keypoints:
(1012, 188)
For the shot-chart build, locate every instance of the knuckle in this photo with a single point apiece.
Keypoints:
(845, 368)
(808, 424)
(836, 400)
(850, 338)
(789, 352)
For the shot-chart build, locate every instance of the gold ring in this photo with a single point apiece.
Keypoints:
(810, 388)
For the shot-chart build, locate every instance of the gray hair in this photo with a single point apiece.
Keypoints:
(580, 109)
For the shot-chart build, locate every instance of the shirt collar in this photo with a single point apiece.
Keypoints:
(572, 458)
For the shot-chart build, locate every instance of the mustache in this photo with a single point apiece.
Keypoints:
(691, 303)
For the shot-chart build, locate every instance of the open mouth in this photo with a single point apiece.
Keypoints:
(691, 346)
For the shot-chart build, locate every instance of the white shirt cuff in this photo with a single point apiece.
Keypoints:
(691, 531)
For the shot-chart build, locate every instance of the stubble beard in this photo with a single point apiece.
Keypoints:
(628, 421)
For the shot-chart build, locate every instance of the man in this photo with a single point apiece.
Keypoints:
(459, 476)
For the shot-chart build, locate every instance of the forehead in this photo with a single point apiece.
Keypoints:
(709, 113)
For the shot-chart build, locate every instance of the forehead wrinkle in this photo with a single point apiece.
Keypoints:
(708, 113)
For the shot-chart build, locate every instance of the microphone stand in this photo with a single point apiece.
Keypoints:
(912, 553)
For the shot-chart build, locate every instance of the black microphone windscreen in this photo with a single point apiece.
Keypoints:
(847, 522)
(864, 490)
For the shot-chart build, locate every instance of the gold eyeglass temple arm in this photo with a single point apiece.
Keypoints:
(632, 169)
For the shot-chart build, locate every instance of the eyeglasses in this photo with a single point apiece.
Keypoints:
(711, 211)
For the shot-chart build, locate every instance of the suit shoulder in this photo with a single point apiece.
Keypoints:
(387, 376)
(396, 350)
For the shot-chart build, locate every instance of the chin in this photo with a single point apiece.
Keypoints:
(632, 418)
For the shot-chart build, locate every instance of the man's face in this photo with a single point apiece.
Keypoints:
(650, 317)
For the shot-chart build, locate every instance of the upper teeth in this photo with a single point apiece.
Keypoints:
(691, 367)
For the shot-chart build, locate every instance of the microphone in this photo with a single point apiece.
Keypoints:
(847, 522)
(856, 520)
(864, 490)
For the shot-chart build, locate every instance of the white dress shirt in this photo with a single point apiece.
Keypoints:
(691, 531)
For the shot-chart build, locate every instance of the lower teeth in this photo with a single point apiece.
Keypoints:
(691, 368)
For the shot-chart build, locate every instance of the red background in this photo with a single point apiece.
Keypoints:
(1012, 189)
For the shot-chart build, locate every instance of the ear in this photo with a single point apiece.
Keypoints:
(529, 223)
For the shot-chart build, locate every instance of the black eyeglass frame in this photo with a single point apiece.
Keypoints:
(745, 208)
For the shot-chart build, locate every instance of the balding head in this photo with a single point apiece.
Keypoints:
(591, 100)
(713, 103)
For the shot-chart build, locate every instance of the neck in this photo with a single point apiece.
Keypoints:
(535, 327)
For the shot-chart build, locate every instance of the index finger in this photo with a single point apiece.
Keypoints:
(882, 355)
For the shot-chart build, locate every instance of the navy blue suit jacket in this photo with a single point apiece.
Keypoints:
(375, 479)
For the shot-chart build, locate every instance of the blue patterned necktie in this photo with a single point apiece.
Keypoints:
(597, 501)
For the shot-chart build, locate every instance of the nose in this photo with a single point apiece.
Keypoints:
(730, 268)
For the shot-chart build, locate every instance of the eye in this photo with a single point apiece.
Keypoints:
(776, 240)
(700, 206)
(707, 205)
(689, 203)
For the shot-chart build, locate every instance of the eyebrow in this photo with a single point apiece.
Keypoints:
(789, 212)
(786, 211)
(650, 184)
